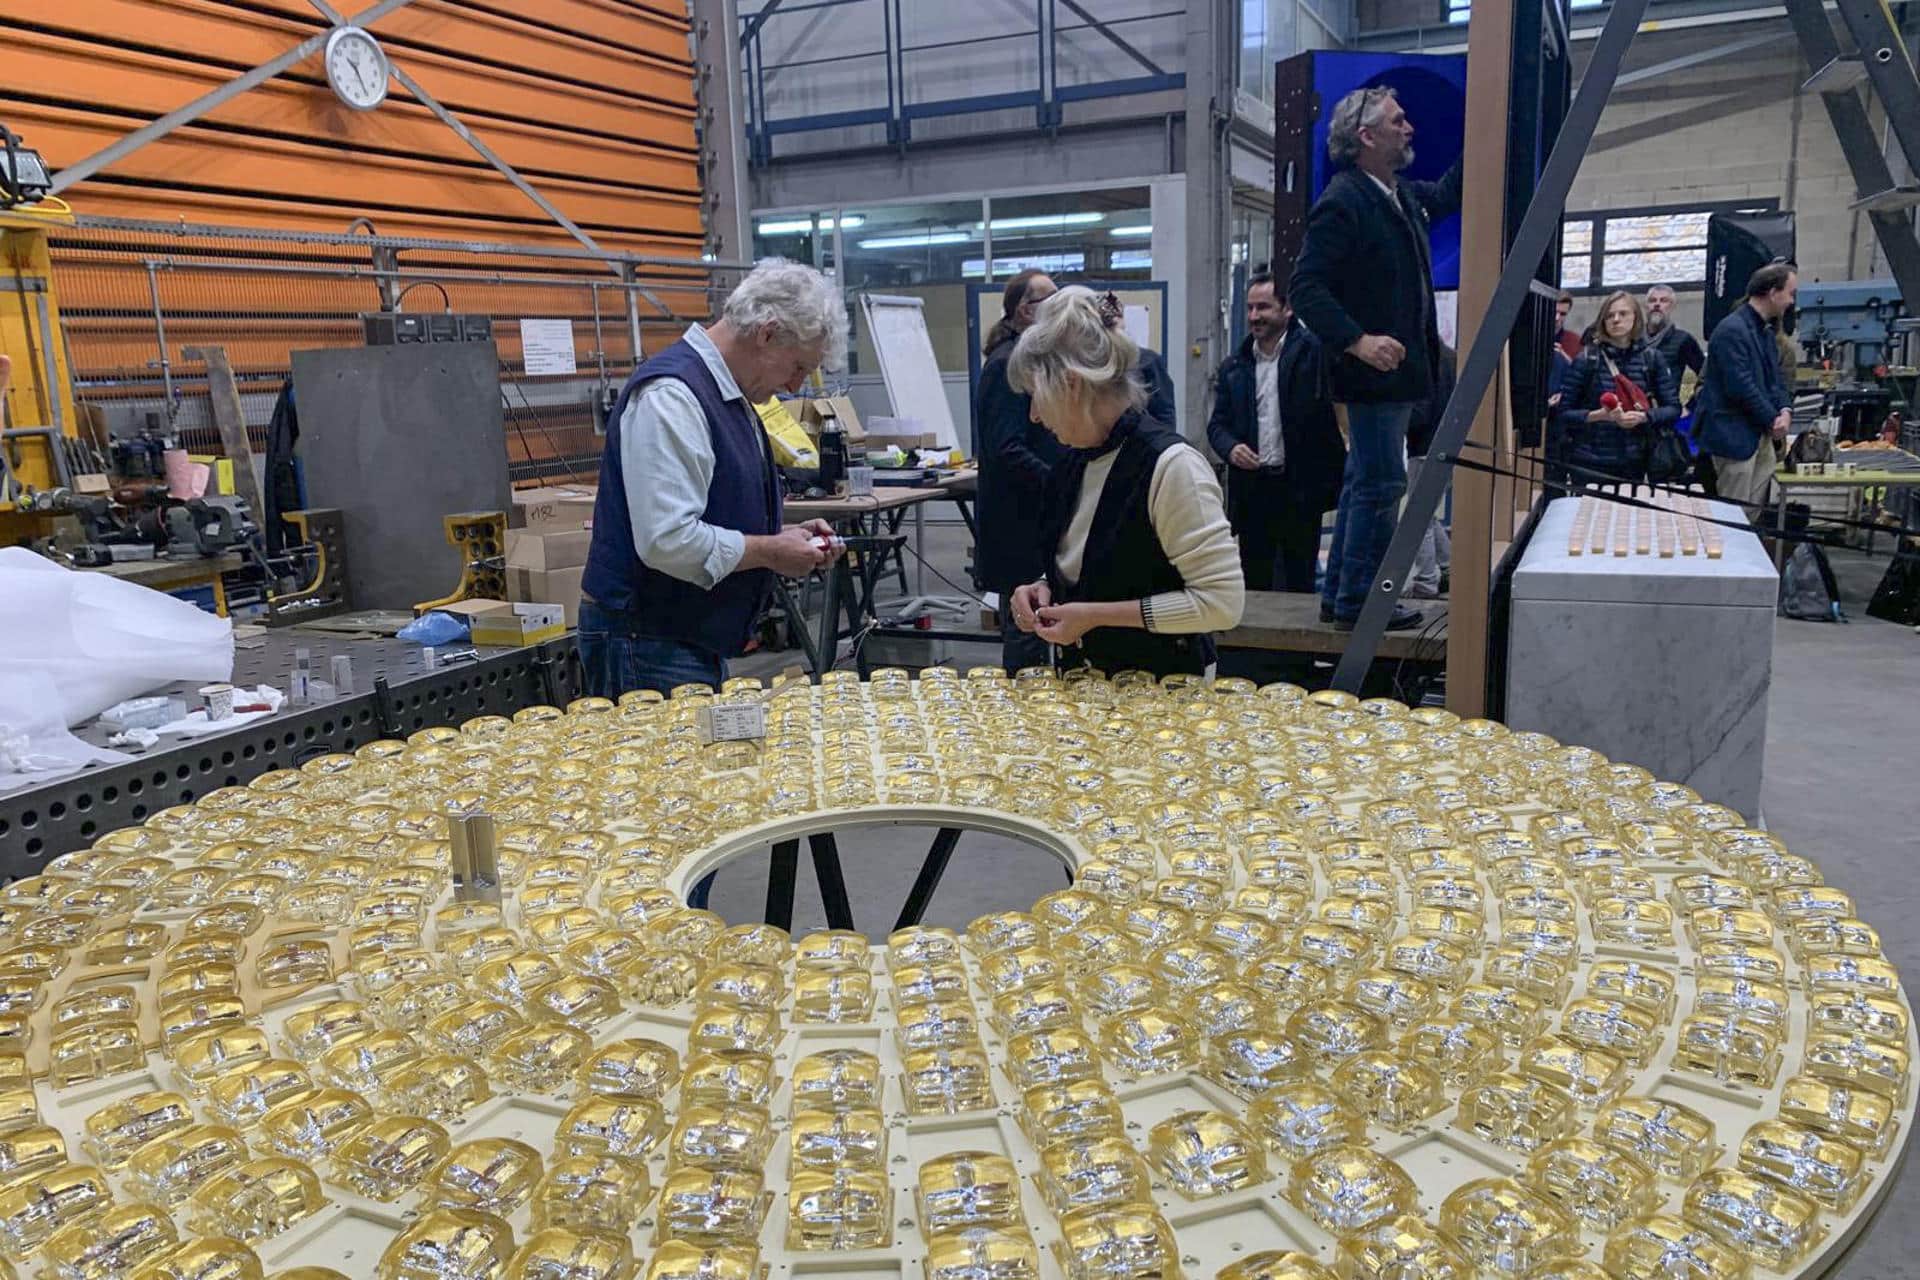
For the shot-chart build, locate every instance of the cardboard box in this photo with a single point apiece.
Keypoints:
(817, 410)
(518, 625)
(548, 586)
(561, 549)
(551, 509)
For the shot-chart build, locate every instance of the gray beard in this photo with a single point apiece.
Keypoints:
(1655, 323)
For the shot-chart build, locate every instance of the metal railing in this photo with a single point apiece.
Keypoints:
(896, 108)
(134, 294)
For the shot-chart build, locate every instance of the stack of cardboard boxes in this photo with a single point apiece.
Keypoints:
(548, 531)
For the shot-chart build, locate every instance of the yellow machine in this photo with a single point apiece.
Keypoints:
(39, 407)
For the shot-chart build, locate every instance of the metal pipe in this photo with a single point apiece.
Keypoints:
(203, 230)
(51, 360)
(599, 343)
(458, 277)
(160, 335)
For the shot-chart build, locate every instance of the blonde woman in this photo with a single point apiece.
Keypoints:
(1141, 563)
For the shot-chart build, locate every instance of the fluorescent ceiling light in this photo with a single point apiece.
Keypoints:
(1048, 220)
(917, 241)
(1131, 231)
(801, 226)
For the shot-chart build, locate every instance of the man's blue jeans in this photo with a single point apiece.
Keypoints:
(615, 660)
(1370, 493)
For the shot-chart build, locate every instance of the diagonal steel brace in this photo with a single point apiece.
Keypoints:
(1537, 229)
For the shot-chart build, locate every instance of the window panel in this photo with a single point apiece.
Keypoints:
(1653, 266)
(1576, 272)
(1576, 237)
(1658, 231)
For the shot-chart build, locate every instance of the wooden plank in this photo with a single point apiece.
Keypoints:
(1289, 622)
(1482, 247)
(212, 161)
(137, 83)
(238, 39)
(231, 419)
(259, 210)
(644, 63)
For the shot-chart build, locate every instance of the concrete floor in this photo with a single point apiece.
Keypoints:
(1843, 714)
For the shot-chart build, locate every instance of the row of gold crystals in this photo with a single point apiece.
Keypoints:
(1352, 921)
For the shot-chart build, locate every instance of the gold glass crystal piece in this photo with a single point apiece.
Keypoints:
(711, 1206)
(1762, 1220)
(1804, 1161)
(1659, 1246)
(176, 1164)
(1116, 1244)
(257, 1200)
(981, 1253)
(1402, 1247)
(839, 1209)
(116, 1131)
(449, 1244)
(1520, 1112)
(1206, 1153)
(115, 1244)
(1600, 1185)
(591, 1193)
(968, 1189)
(390, 1157)
(1347, 1189)
(491, 1175)
(1506, 1228)
(1672, 1139)
(1303, 1117)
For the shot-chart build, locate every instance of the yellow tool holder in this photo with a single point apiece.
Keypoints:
(40, 397)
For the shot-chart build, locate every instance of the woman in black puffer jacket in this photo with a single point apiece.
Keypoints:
(1601, 435)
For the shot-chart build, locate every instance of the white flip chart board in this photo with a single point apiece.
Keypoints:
(898, 327)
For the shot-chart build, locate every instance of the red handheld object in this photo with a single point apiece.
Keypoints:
(1608, 400)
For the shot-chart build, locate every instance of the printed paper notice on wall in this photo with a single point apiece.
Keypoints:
(1134, 320)
(546, 347)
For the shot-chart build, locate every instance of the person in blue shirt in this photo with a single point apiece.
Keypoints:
(1744, 405)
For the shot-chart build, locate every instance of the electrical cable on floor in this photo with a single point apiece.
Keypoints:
(908, 546)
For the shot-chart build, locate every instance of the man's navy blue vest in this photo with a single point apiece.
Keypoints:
(744, 495)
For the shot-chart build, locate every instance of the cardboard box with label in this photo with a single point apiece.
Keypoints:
(814, 414)
(546, 568)
(516, 625)
(552, 508)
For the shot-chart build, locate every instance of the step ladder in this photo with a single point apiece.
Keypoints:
(1881, 64)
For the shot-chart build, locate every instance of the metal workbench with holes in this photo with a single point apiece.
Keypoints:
(41, 822)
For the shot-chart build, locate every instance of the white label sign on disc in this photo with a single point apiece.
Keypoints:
(546, 347)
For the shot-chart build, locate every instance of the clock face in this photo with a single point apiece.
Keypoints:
(357, 68)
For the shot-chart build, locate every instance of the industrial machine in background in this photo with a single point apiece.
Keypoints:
(1861, 347)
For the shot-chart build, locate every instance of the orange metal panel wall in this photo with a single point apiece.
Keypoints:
(593, 100)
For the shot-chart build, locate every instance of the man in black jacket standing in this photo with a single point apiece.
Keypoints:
(1276, 431)
(1745, 406)
(1680, 349)
(1364, 284)
(1017, 455)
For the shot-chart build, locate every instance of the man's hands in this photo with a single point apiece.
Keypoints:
(792, 552)
(1631, 418)
(1378, 351)
(1781, 422)
(1028, 600)
(1244, 458)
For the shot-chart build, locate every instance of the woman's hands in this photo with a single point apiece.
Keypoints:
(1064, 624)
(1028, 600)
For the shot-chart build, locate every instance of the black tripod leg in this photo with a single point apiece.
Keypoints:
(833, 885)
(780, 876)
(929, 878)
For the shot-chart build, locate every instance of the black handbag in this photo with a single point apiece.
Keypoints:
(1667, 457)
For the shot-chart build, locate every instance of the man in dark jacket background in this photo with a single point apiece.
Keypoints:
(1364, 284)
(1680, 349)
(1275, 428)
(1017, 455)
(1744, 404)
